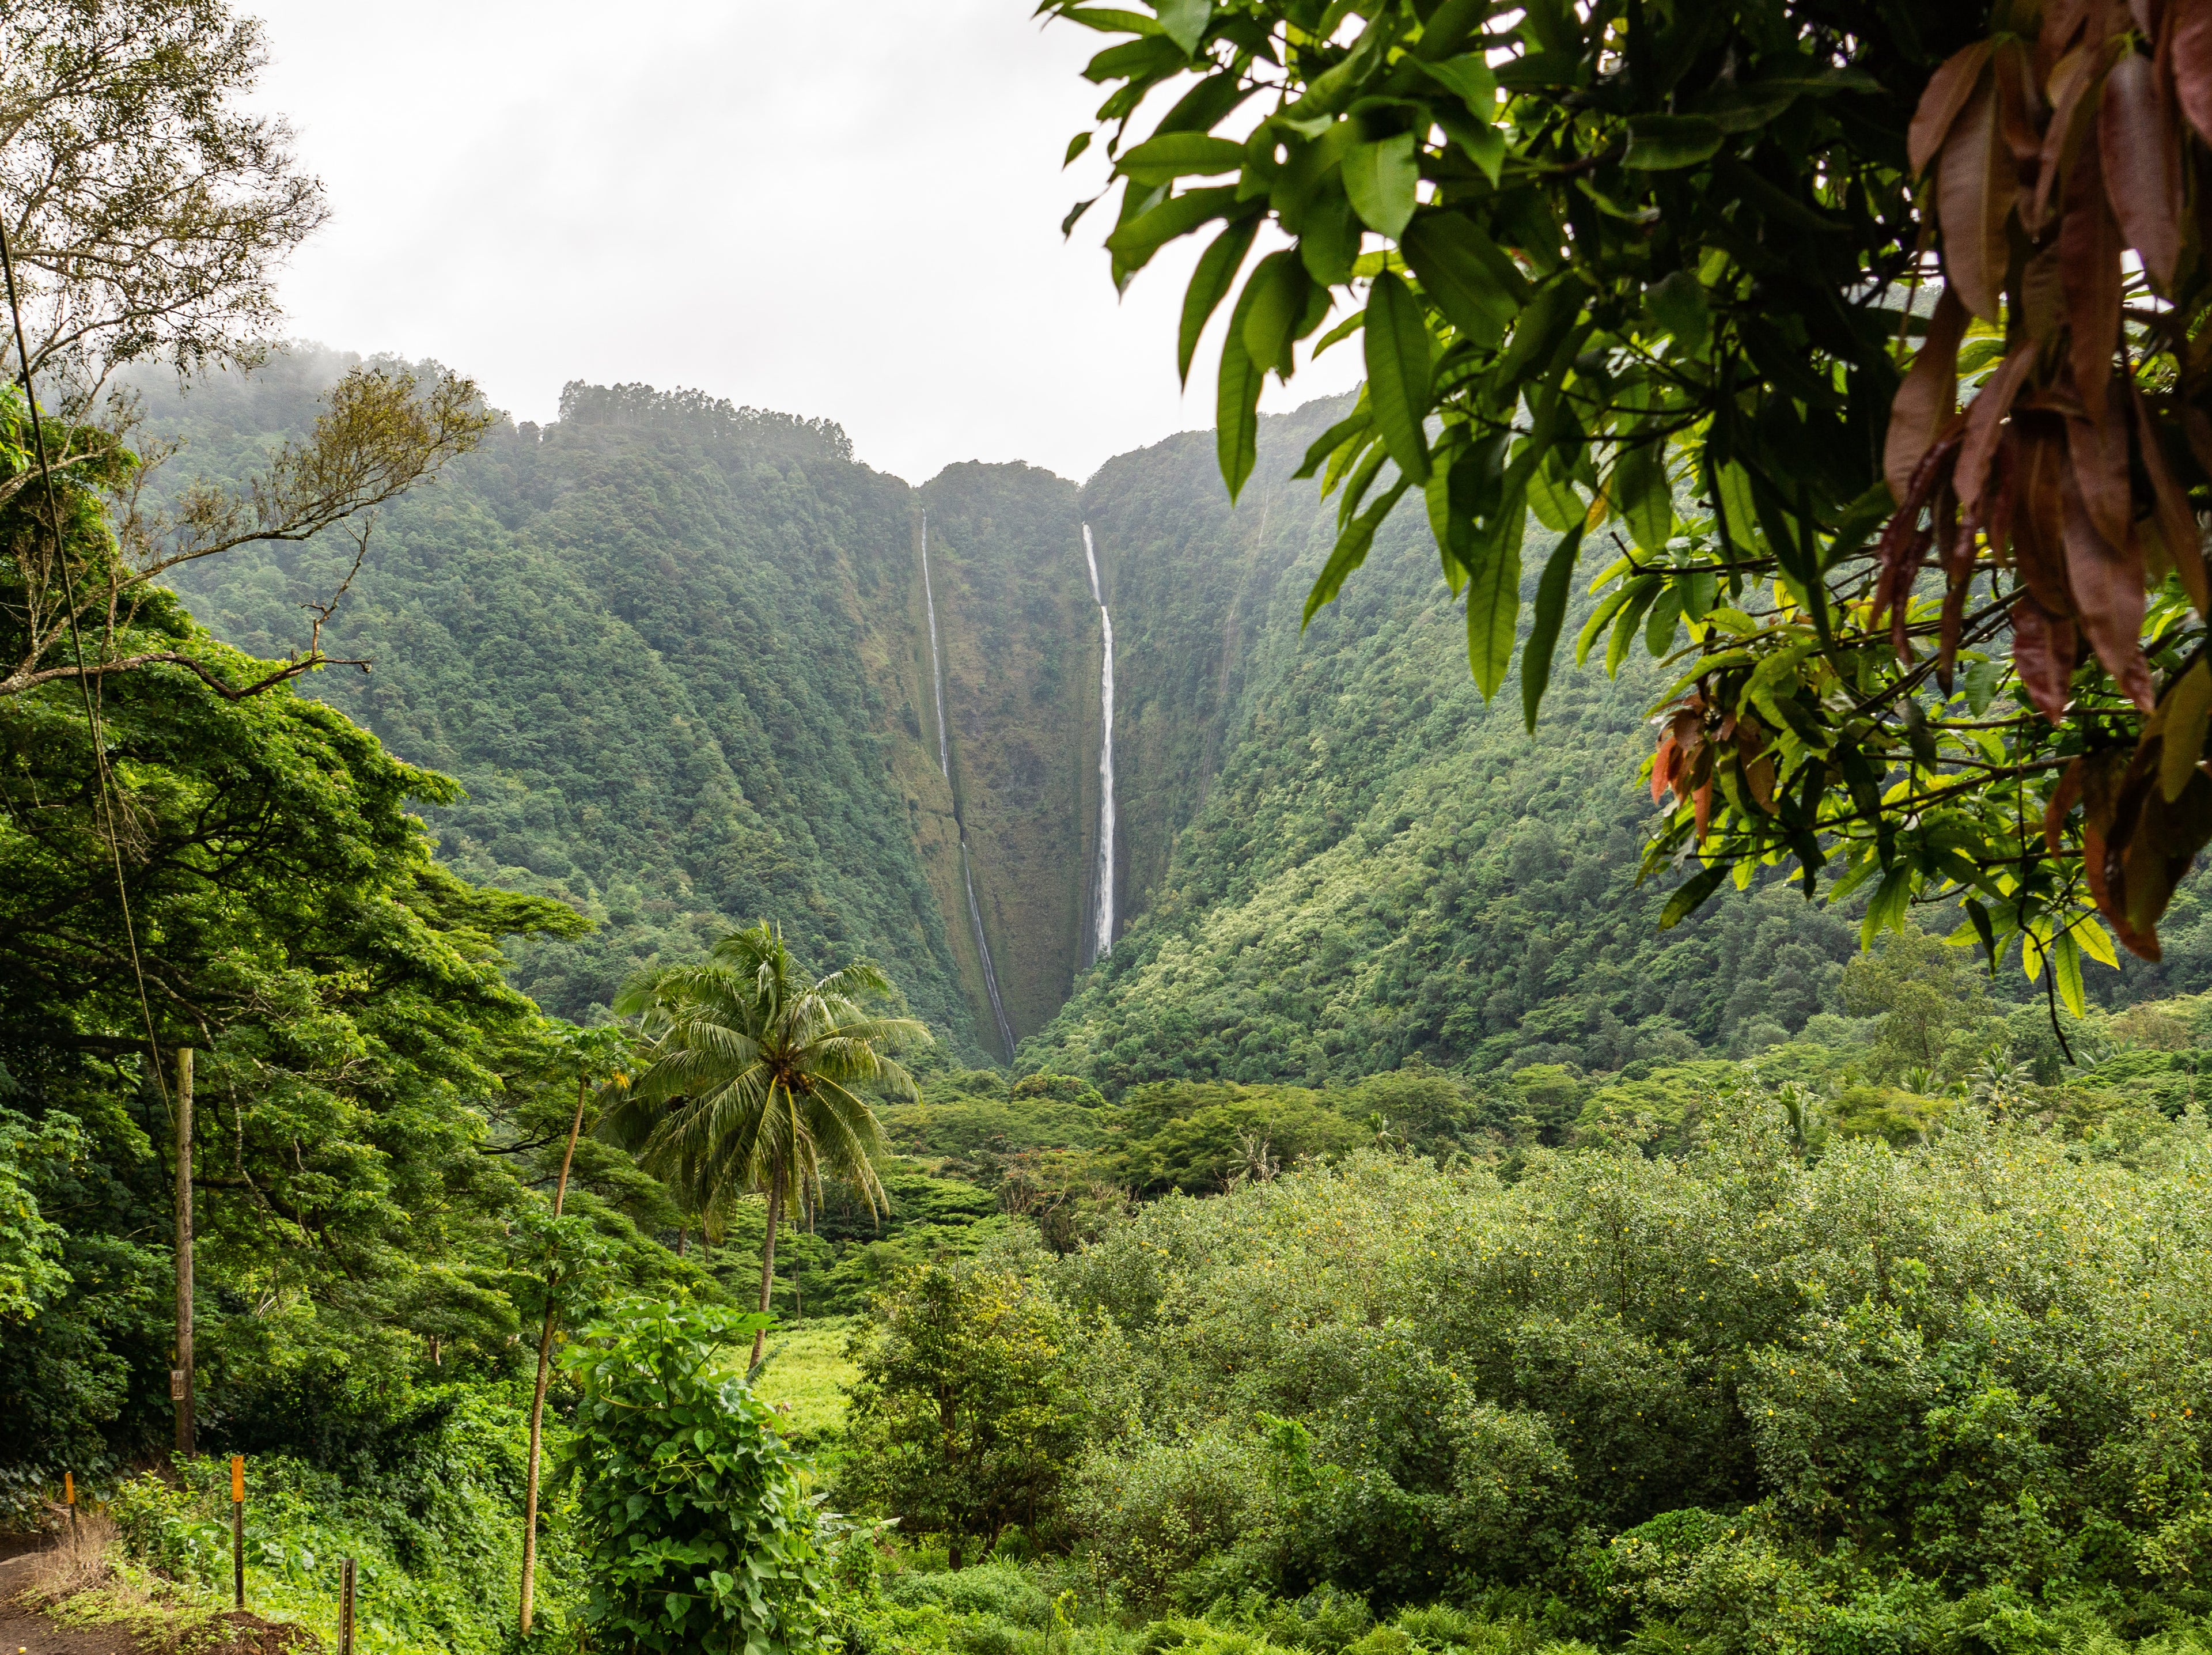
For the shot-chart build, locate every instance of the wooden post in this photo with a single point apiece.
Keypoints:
(238, 1529)
(345, 1610)
(180, 1375)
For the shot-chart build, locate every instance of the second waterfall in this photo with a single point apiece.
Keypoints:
(1102, 941)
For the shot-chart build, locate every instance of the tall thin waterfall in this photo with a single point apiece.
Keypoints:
(1103, 943)
(937, 666)
(944, 763)
(990, 977)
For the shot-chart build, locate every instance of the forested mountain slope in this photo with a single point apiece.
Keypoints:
(679, 655)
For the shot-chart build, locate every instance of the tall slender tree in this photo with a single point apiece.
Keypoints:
(600, 1058)
(761, 1078)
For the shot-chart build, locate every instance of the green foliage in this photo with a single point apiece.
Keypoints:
(31, 1273)
(1860, 1377)
(435, 1531)
(641, 640)
(1669, 265)
(690, 1515)
(968, 1411)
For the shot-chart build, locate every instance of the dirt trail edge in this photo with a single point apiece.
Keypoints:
(25, 1631)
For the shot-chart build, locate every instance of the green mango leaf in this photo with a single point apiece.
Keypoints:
(1328, 242)
(1399, 372)
(2066, 972)
(1329, 440)
(1109, 19)
(1493, 596)
(1666, 616)
(1659, 143)
(1278, 291)
(1136, 60)
(1739, 509)
(1886, 910)
(1134, 242)
(1171, 155)
(1351, 550)
(1466, 275)
(1555, 502)
(1184, 22)
(1982, 681)
(1468, 78)
(1691, 894)
(1678, 300)
(1380, 178)
(1640, 494)
(1236, 401)
(1209, 284)
(1552, 589)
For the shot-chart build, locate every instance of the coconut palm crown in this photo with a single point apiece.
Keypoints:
(761, 1078)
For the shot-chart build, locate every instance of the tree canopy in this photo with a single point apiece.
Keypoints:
(1701, 282)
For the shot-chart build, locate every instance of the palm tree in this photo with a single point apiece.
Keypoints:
(761, 1079)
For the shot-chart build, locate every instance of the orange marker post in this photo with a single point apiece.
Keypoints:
(69, 1496)
(238, 1528)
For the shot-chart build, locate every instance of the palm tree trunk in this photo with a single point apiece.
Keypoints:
(768, 1255)
(544, 1367)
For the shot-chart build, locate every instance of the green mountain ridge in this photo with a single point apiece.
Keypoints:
(678, 654)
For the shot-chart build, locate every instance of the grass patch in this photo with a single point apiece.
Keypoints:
(808, 1376)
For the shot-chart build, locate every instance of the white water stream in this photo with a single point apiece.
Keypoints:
(944, 763)
(1102, 942)
(936, 667)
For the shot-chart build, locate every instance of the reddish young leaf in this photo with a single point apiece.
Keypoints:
(2064, 798)
(2062, 24)
(2075, 76)
(2107, 583)
(1903, 542)
(1959, 573)
(2151, 843)
(2177, 522)
(2045, 648)
(2101, 774)
(2142, 161)
(1985, 422)
(2089, 255)
(1928, 397)
(2099, 451)
(2189, 48)
(2038, 512)
(2020, 102)
(1975, 185)
(1945, 95)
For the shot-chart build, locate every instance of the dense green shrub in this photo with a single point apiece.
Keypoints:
(690, 1515)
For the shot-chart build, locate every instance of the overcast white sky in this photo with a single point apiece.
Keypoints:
(850, 210)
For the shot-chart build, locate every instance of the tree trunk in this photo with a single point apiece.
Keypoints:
(545, 1366)
(768, 1256)
(181, 1380)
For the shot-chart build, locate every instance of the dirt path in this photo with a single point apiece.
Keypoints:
(27, 1632)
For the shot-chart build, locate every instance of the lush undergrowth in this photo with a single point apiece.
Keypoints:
(435, 1535)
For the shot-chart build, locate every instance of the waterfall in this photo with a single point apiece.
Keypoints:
(1103, 941)
(944, 763)
(982, 948)
(936, 666)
